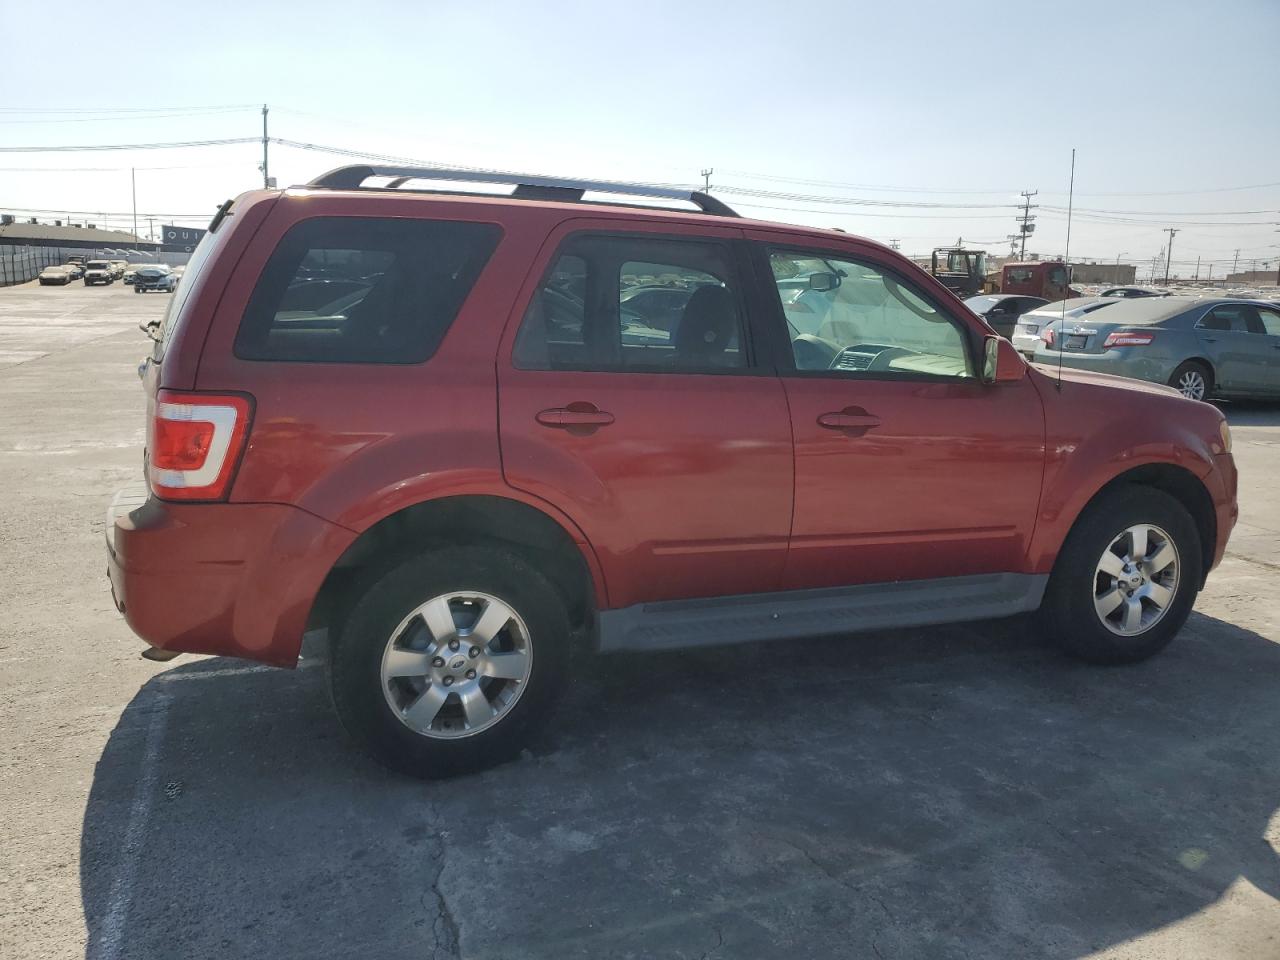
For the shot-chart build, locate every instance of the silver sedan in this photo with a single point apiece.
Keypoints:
(1204, 348)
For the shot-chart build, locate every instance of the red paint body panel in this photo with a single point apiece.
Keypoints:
(702, 485)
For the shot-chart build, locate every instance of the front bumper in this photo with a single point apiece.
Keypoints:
(234, 579)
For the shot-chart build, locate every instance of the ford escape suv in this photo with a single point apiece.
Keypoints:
(446, 426)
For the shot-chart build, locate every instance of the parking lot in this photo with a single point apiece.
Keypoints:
(944, 792)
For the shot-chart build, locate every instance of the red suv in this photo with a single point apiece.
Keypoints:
(460, 431)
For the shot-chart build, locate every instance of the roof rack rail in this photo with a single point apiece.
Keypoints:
(527, 186)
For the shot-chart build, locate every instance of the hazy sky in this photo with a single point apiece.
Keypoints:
(956, 104)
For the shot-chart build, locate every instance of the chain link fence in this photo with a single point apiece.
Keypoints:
(23, 264)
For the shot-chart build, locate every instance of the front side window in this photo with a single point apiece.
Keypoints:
(635, 303)
(858, 319)
(363, 290)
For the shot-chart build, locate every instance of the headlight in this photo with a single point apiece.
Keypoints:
(1225, 431)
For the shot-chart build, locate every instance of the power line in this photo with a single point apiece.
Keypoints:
(130, 146)
(213, 108)
(122, 118)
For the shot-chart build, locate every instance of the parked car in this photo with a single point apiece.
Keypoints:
(118, 268)
(75, 269)
(99, 271)
(1028, 332)
(1130, 292)
(1002, 310)
(469, 496)
(132, 269)
(59, 275)
(154, 277)
(1202, 347)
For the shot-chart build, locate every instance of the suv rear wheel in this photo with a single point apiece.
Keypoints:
(448, 662)
(1126, 578)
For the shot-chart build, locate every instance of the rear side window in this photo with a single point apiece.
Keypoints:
(363, 290)
(635, 303)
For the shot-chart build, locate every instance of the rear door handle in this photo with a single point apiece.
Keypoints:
(574, 415)
(1209, 339)
(853, 419)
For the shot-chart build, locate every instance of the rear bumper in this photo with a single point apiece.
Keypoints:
(235, 579)
(1115, 362)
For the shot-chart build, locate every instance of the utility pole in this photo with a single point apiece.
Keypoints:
(895, 244)
(1278, 261)
(1197, 269)
(1026, 224)
(706, 179)
(133, 185)
(1117, 270)
(1236, 263)
(151, 231)
(1172, 232)
(266, 180)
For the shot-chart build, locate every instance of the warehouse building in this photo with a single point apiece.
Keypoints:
(66, 235)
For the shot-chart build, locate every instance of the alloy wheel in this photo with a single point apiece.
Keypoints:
(456, 665)
(1136, 580)
(1191, 385)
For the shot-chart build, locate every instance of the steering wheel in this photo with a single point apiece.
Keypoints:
(813, 353)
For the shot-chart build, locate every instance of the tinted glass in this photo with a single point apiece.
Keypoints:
(855, 318)
(1270, 320)
(1232, 316)
(619, 303)
(363, 290)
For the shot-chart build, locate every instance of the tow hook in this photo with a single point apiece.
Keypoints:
(160, 656)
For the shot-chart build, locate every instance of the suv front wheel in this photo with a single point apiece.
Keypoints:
(1125, 580)
(449, 661)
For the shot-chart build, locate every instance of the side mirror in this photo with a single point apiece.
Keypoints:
(823, 282)
(1000, 362)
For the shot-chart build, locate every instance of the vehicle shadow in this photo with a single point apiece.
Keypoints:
(951, 792)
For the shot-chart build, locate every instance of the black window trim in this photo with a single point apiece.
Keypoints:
(780, 342)
(749, 308)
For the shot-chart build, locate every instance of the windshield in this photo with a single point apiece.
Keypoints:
(98, 265)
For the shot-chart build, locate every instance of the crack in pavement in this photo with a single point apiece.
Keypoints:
(444, 927)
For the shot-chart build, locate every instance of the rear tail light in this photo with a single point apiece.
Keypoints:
(1047, 337)
(1122, 339)
(195, 443)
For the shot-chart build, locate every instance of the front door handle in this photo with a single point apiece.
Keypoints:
(854, 420)
(574, 415)
(1209, 339)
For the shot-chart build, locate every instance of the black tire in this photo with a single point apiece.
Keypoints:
(1068, 616)
(383, 601)
(137, 289)
(1190, 367)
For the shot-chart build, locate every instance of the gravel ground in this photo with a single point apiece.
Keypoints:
(958, 792)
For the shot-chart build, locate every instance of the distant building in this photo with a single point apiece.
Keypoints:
(1254, 277)
(58, 234)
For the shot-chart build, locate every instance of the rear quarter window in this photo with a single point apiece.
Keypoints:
(363, 290)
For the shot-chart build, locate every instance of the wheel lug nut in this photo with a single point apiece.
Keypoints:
(448, 681)
(471, 674)
(437, 661)
(453, 644)
(473, 652)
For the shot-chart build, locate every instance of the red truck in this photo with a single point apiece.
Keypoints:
(443, 427)
(1049, 279)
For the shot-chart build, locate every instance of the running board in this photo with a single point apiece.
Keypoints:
(672, 624)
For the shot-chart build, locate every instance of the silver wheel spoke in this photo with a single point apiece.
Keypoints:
(1111, 564)
(1139, 538)
(491, 621)
(423, 711)
(439, 619)
(452, 685)
(1106, 603)
(1164, 556)
(1159, 594)
(407, 663)
(506, 666)
(1132, 619)
(476, 706)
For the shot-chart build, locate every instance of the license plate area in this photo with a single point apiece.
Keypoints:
(1076, 341)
